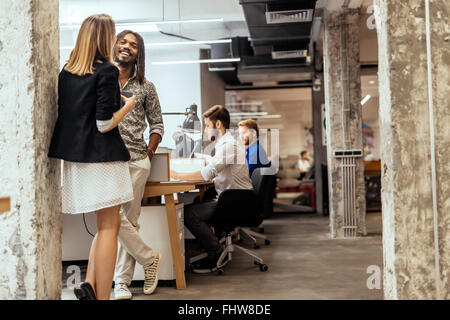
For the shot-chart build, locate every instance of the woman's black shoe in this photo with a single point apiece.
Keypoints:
(84, 291)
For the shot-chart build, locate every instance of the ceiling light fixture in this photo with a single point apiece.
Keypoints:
(186, 43)
(251, 103)
(221, 69)
(271, 116)
(247, 114)
(147, 23)
(255, 116)
(366, 98)
(137, 27)
(196, 61)
(188, 21)
(181, 43)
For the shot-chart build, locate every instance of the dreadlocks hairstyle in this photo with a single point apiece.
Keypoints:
(140, 59)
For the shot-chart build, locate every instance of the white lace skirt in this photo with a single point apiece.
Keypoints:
(88, 187)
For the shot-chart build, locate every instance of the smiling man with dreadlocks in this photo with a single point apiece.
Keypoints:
(129, 55)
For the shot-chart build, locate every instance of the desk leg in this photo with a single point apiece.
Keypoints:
(313, 201)
(177, 257)
(202, 192)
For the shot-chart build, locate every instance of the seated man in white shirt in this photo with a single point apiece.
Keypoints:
(228, 169)
(304, 163)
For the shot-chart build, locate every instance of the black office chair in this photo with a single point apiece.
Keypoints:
(264, 186)
(235, 208)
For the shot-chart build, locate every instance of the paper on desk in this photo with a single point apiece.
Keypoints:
(203, 156)
(187, 165)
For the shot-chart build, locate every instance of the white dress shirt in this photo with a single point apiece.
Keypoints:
(304, 165)
(228, 168)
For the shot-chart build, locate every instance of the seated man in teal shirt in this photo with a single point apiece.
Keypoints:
(255, 153)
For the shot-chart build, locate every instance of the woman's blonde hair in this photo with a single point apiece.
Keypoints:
(95, 41)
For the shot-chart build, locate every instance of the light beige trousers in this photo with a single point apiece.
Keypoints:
(131, 246)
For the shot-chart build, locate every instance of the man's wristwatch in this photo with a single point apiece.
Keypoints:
(151, 150)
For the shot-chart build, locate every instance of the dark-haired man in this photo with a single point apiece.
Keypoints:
(227, 168)
(129, 56)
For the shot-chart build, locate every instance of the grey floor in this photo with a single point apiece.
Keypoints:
(304, 263)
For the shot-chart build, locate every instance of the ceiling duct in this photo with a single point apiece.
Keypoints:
(277, 74)
(291, 54)
(278, 22)
(290, 50)
(238, 48)
(289, 16)
(280, 48)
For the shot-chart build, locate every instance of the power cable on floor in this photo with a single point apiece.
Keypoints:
(85, 225)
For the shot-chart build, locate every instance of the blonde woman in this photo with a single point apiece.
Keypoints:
(96, 177)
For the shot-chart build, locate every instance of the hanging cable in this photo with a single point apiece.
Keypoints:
(432, 150)
(179, 30)
(176, 35)
(85, 225)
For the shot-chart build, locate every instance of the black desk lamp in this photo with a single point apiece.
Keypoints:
(189, 127)
(191, 119)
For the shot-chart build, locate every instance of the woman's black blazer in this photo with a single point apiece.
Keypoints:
(83, 100)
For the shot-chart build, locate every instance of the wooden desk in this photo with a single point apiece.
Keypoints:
(372, 168)
(167, 189)
(5, 205)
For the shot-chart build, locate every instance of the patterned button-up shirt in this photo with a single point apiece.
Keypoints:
(133, 125)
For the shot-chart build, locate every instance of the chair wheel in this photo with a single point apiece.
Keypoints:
(261, 230)
(267, 242)
(256, 246)
(263, 267)
(220, 272)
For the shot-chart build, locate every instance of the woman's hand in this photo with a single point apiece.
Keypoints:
(129, 102)
(122, 112)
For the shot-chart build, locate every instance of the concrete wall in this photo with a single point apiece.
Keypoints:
(343, 114)
(212, 86)
(30, 234)
(408, 233)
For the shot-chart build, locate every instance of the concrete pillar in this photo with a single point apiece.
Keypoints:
(408, 219)
(344, 122)
(30, 237)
